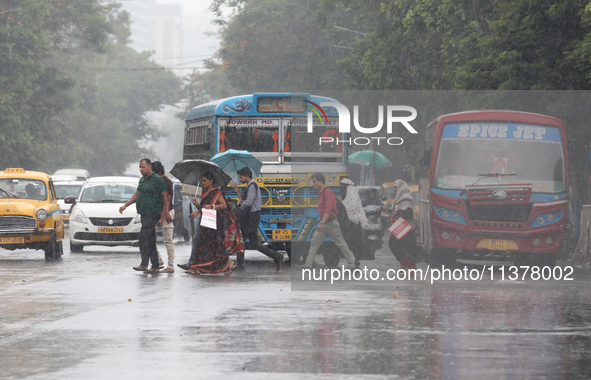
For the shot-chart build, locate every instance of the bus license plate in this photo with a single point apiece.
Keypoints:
(110, 230)
(497, 245)
(12, 240)
(281, 234)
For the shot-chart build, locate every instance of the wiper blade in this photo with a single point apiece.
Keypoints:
(9, 194)
(487, 175)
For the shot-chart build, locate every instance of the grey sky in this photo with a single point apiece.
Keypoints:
(197, 21)
(197, 45)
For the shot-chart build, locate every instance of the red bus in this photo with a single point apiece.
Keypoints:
(497, 188)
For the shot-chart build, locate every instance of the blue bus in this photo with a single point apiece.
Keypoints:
(274, 128)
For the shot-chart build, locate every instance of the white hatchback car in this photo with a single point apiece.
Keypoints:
(95, 218)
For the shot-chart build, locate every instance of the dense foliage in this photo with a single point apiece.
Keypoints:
(71, 93)
(407, 45)
(280, 45)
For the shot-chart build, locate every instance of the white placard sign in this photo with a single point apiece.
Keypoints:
(209, 218)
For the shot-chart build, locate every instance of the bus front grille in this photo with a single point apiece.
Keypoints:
(500, 213)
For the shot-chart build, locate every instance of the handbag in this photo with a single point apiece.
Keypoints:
(400, 228)
(209, 217)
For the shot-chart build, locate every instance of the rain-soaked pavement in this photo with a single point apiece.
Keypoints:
(90, 316)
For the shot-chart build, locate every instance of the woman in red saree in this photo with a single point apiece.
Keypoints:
(214, 246)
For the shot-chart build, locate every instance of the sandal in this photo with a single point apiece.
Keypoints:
(167, 270)
(230, 268)
(140, 268)
(193, 271)
(153, 271)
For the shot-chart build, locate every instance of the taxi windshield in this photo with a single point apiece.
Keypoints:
(23, 188)
(107, 193)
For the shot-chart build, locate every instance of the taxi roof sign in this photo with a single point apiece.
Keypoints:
(14, 170)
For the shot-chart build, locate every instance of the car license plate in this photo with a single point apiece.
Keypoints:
(110, 230)
(12, 240)
(497, 245)
(281, 234)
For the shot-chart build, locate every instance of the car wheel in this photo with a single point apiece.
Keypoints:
(60, 249)
(75, 248)
(51, 250)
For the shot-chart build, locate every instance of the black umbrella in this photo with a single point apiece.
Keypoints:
(191, 171)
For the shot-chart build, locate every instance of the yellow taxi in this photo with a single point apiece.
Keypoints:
(30, 216)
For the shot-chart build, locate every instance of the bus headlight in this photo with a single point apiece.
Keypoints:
(537, 242)
(551, 217)
(540, 220)
(41, 214)
(445, 213)
(549, 240)
(456, 216)
(457, 238)
(445, 235)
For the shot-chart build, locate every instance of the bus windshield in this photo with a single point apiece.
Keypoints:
(254, 135)
(533, 154)
(302, 141)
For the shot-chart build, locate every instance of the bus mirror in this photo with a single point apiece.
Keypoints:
(426, 159)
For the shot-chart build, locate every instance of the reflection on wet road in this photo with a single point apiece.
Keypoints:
(91, 316)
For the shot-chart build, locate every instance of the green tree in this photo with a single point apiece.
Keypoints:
(107, 122)
(71, 92)
(280, 45)
(529, 46)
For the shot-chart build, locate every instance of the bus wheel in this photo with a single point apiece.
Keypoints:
(439, 257)
(299, 252)
(543, 260)
(331, 254)
(534, 259)
(520, 258)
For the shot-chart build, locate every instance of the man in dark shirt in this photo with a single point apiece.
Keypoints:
(329, 225)
(249, 218)
(150, 192)
(167, 227)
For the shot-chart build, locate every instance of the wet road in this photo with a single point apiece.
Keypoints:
(91, 316)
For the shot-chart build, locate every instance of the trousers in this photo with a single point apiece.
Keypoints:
(147, 239)
(168, 237)
(249, 223)
(331, 229)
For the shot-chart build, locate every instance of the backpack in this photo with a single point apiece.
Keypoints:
(342, 215)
